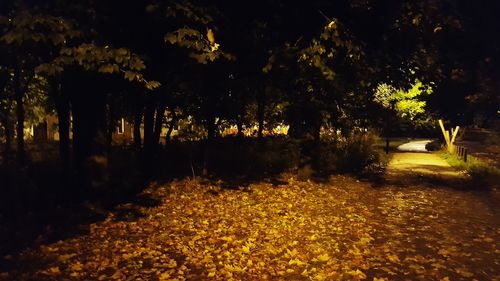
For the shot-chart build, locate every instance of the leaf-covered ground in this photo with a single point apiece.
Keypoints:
(338, 230)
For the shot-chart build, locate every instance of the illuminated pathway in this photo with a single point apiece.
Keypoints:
(416, 160)
(414, 146)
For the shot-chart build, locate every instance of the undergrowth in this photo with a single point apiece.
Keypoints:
(479, 171)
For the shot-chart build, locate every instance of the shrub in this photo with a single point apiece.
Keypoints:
(434, 145)
(479, 171)
(249, 157)
(351, 154)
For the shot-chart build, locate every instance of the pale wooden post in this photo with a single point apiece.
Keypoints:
(449, 142)
(454, 135)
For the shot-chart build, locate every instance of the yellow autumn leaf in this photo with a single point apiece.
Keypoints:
(296, 261)
(117, 275)
(320, 277)
(210, 36)
(292, 253)
(359, 274)
(227, 239)
(489, 240)
(164, 276)
(444, 252)
(245, 249)
(171, 264)
(63, 258)
(323, 257)
(465, 273)
(393, 258)
(211, 274)
(53, 271)
(76, 266)
(214, 47)
(305, 273)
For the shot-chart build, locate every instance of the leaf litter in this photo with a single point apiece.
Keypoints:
(343, 229)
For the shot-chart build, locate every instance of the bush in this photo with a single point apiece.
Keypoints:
(233, 156)
(434, 145)
(248, 157)
(479, 171)
(349, 155)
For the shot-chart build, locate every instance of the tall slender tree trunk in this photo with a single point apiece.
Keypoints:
(63, 118)
(171, 126)
(211, 126)
(160, 112)
(147, 153)
(207, 144)
(137, 125)
(387, 131)
(89, 133)
(260, 114)
(149, 116)
(317, 143)
(239, 126)
(9, 132)
(110, 125)
(18, 96)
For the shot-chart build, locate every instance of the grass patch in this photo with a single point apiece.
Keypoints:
(479, 170)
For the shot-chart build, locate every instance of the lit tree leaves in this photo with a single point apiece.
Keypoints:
(103, 59)
(36, 100)
(407, 103)
(334, 48)
(26, 28)
(187, 10)
(203, 46)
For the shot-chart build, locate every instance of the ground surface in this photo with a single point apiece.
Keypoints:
(415, 146)
(407, 228)
(416, 161)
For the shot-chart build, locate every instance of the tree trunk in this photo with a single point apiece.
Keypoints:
(149, 116)
(171, 126)
(387, 131)
(110, 124)
(207, 144)
(9, 132)
(160, 112)
(89, 133)
(211, 126)
(18, 95)
(147, 156)
(317, 143)
(63, 111)
(239, 125)
(260, 114)
(137, 125)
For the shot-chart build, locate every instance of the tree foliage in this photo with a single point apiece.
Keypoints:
(407, 103)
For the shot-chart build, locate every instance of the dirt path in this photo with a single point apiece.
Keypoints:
(420, 163)
(413, 162)
(416, 146)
